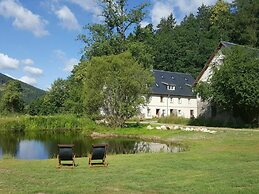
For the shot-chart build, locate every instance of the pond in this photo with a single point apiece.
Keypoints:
(43, 146)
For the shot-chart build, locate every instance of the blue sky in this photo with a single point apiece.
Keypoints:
(38, 37)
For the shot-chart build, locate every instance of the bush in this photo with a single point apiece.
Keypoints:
(174, 120)
(200, 121)
(53, 123)
(12, 123)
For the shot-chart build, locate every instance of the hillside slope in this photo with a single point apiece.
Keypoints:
(30, 93)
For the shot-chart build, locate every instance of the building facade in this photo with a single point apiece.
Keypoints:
(171, 95)
(204, 108)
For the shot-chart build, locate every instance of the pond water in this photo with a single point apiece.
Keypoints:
(43, 146)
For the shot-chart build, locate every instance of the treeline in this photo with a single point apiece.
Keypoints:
(171, 46)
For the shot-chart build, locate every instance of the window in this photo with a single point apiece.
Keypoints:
(179, 113)
(189, 101)
(179, 101)
(171, 100)
(163, 113)
(157, 112)
(170, 87)
(148, 112)
(191, 113)
(161, 99)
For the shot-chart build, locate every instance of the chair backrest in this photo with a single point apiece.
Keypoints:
(98, 151)
(66, 151)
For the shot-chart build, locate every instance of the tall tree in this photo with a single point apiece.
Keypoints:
(166, 24)
(115, 85)
(110, 37)
(246, 21)
(11, 100)
(140, 44)
(221, 20)
(55, 97)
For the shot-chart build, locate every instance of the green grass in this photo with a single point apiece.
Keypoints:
(226, 162)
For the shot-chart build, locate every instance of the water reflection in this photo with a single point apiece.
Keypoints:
(32, 149)
(44, 146)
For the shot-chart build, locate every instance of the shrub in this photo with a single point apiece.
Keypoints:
(174, 120)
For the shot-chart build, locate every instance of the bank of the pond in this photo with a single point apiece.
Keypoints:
(49, 123)
(84, 126)
(221, 163)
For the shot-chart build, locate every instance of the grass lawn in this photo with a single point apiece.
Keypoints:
(226, 162)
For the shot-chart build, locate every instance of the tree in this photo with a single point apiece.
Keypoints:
(115, 85)
(54, 99)
(166, 24)
(246, 22)
(234, 87)
(110, 37)
(140, 43)
(73, 102)
(186, 47)
(11, 100)
(37, 107)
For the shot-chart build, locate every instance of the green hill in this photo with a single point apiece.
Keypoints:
(30, 93)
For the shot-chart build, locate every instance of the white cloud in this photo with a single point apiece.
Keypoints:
(27, 62)
(33, 70)
(7, 62)
(143, 24)
(28, 80)
(163, 8)
(67, 18)
(90, 6)
(59, 54)
(160, 10)
(23, 18)
(69, 64)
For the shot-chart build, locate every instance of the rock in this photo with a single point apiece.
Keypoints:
(187, 129)
(159, 128)
(150, 127)
(163, 127)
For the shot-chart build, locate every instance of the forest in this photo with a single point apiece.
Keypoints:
(177, 46)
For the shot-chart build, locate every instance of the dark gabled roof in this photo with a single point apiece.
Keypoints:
(181, 81)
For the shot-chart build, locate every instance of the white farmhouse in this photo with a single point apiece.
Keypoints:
(171, 95)
(216, 59)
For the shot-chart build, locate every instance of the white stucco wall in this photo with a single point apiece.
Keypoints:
(215, 63)
(180, 106)
(203, 106)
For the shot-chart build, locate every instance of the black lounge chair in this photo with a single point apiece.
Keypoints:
(98, 155)
(65, 153)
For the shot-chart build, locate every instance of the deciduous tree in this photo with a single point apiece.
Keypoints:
(11, 100)
(115, 85)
